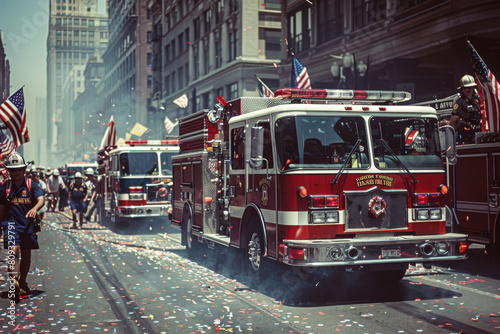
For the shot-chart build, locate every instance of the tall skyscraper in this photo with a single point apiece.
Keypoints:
(78, 30)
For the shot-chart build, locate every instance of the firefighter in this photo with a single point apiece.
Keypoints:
(466, 114)
(77, 197)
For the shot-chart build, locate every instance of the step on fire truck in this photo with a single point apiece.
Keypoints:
(339, 181)
(134, 181)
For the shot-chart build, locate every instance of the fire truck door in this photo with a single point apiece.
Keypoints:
(494, 195)
(237, 180)
(262, 185)
(472, 194)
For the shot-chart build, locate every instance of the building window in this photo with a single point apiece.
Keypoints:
(180, 42)
(273, 4)
(206, 21)
(181, 77)
(368, 11)
(330, 20)
(84, 22)
(218, 53)
(76, 33)
(206, 57)
(197, 28)
(58, 22)
(299, 28)
(150, 81)
(150, 59)
(273, 43)
(219, 11)
(166, 84)
(167, 54)
(172, 84)
(233, 41)
(196, 56)
(148, 34)
(186, 39)
(233, 6)
(233, 91)
(103, 23)
(172, 48)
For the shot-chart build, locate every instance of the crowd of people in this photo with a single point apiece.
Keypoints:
(76, 195)
(25, 196)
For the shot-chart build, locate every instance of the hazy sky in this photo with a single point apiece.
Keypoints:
(24, 28)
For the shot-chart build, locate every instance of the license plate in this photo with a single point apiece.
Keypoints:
(391, 252)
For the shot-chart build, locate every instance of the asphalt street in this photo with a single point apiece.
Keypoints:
(96, 280)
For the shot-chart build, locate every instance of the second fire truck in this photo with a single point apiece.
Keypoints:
(346, 182)
(134, 181)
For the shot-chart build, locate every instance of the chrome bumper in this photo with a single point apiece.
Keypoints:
(373, 250)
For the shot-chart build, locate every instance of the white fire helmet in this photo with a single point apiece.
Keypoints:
(15, 160)
(78, 175)
(89, 171)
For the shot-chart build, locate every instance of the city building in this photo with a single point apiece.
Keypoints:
(4, 73)
(78, 30)
(412, 45)
(89, 119)
(206, 49)
(127, 85)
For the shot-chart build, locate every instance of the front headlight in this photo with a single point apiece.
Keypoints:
(435, 214)
(318, 217)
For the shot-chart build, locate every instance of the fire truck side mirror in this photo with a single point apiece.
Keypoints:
(447, 140)
(257, 147)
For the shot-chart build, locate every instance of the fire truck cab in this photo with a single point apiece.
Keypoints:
(339, 181)
(134, 181)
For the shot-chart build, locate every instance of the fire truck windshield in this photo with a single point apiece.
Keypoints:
(320, 142)
(412, 140)
(139, 163)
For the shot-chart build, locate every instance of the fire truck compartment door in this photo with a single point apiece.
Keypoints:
(472, 194)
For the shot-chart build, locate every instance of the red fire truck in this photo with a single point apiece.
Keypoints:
(134, 181)
(344, 180)
(474, 183)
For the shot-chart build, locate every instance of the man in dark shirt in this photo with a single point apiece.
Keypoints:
(20, 199)
(78, 197)
(466, 114)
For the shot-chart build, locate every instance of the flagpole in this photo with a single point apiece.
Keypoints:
(473, 49)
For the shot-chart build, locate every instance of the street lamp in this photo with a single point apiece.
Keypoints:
(346, 73)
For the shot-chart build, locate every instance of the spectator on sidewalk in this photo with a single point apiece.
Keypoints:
(77, 197)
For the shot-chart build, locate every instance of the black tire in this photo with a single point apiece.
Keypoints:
(114, 210)
(254, 249)
(193, 247)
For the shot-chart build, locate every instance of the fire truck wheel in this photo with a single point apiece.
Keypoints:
(192, 246)
(254, 248)
(114, 209)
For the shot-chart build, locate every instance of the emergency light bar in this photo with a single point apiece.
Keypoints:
(152, 142)
(342, 94)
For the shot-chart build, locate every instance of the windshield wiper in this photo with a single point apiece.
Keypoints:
(400, 164)
(344, 165)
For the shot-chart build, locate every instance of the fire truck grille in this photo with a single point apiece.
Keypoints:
(376, 209)
(156, 193)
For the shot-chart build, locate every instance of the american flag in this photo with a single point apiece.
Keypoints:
(488, 91)
(109, 138)
(169, 125)
(6, 145)
(264, 90)
(182, 101)
(13, 114)
(300, 78)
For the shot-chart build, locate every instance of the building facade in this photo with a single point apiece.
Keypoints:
(78, 30)
(127, 85)
(4, 73)
(206, 49)
(413, 45)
